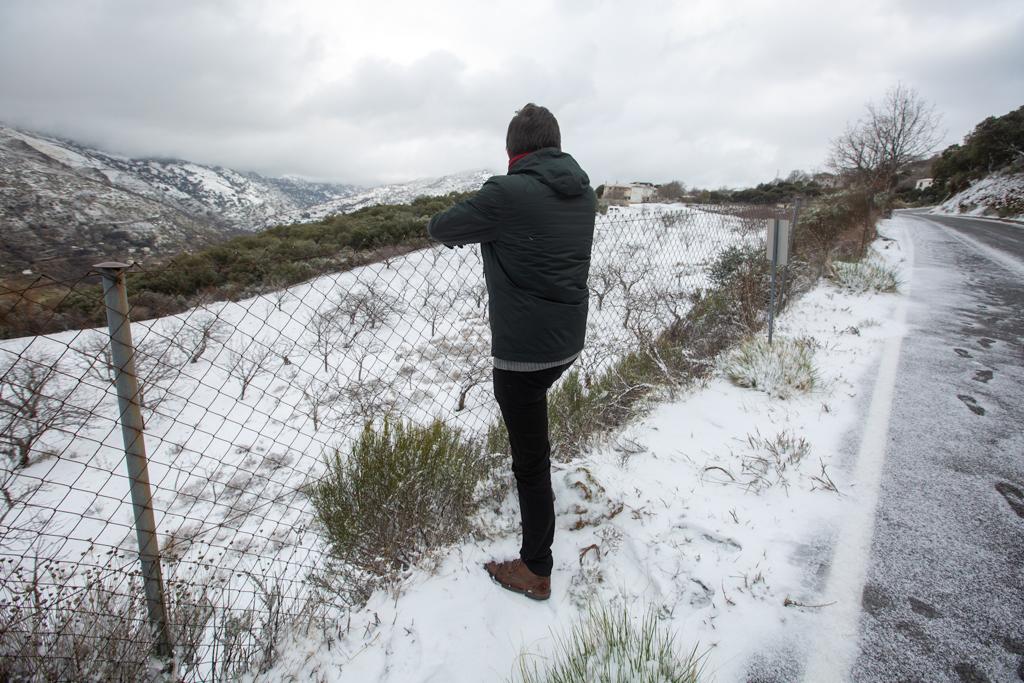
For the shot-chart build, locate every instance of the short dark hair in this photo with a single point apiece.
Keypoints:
(531, 129)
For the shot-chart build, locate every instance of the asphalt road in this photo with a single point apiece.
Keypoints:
(944, 593)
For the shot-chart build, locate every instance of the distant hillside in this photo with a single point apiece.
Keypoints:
(63, 206)
(985, 174)
(399, 193)
(236, 268)
(999, 194)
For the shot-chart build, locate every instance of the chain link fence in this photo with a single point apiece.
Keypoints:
(240, 403)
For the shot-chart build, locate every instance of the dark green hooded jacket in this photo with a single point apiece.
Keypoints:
(535, 227)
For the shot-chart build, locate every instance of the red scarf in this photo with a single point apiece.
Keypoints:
(512, 160)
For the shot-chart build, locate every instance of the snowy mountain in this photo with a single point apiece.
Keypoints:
(398, 193)
(64, 205)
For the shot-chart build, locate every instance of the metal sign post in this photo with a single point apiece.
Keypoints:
(778, 254)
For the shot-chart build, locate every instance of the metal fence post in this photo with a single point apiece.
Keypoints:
(783, 296)
(122, 352)
(774, 255)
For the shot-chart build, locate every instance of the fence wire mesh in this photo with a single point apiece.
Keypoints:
(242, 402)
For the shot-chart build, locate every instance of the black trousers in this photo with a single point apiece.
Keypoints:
(523, 399)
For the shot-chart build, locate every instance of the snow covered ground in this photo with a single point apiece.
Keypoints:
(671, 523)
(234, 437)
(1000, 194)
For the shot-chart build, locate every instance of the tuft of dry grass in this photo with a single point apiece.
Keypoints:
(861, 277)
(782, 369)
(609, 645)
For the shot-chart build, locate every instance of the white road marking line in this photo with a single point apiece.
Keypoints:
(835, 643)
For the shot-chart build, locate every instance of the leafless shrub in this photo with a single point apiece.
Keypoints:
(316, 396)
(326, 330)
(248, 360)
(602, 282)
(630, 272)
(367, 308)
(355, 403)
(197, 332)
(59, 624)
(437, 299)
(478, 294)
(34, 400)
(158, 363)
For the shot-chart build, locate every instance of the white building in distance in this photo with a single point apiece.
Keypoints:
(631, 193)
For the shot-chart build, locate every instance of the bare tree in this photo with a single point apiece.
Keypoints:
(157, 363)
(629, 273)
(364, 346)
(327, 332)
(464, 359)
(366, 308)
(476, 370)
(246, 362)
(197, 332)
(478, 293)
(317, 395)
(364, 400)
(438, 299)
(33, 402)
(902, 128)
(602, 282)
(279, 293)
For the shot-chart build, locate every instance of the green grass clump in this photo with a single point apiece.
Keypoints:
(607, 646)
(782, 369)
(402, 491)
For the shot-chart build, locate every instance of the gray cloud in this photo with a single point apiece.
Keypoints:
(659, 90)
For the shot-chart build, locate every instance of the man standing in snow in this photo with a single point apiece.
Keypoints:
(535, 227)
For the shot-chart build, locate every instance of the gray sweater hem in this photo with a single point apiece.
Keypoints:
(528, 366)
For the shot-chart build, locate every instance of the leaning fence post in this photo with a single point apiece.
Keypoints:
(122, 351)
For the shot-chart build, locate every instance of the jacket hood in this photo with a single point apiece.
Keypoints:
(554, 168)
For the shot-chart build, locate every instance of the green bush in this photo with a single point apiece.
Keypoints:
(402, 491)
(993, 145)
(608, 646)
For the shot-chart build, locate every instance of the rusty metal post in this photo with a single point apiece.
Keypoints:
(122, 351)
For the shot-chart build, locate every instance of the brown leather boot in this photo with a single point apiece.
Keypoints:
(516, 577)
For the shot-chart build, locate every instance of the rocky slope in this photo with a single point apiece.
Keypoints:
(399, 193)
(63, 206)
(997, 195)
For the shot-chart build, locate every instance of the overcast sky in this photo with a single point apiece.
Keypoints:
(711, 93)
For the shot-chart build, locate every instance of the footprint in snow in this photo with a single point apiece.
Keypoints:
(1013, 495)
(971, 403)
